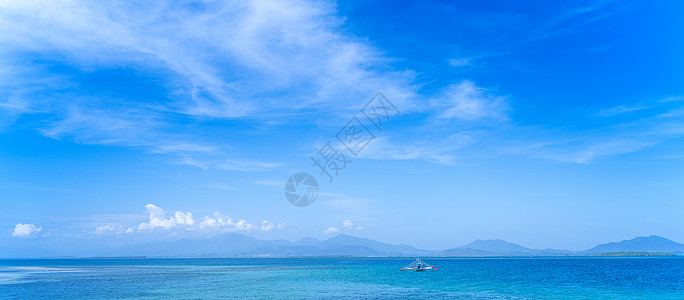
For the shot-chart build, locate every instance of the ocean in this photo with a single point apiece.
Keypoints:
(347, 278)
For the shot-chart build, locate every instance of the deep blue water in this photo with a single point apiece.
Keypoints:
(333, 278)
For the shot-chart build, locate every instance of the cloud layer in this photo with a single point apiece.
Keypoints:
(179, 221)
(223, 59)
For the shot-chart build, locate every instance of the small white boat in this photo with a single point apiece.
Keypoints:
(418, 266)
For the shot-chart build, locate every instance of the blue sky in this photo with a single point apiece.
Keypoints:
(552, 125)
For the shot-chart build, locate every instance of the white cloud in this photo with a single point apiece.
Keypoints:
(222, 223)
(116, 229)
(331, 229)
(345, 224)
(25, 231)
(268, 226)
(158, 219)
(186, 222)
(349, 225)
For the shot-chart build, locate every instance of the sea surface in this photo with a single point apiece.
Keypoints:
(346, 278)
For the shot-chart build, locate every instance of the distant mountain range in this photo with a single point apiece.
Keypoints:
(238, 245)
(499, 248)
(233, 244)
(652, 243)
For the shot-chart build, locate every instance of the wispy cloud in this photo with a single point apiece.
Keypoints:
(571, 19)
(460, 62)
(270, 183)
(621, 109)
(244, 60)
(642, 125)
(344, 204)
(588, 151)
(113, 229)
(672, 113)
(220, 187)
(247, 165)
(183, 147)
(223, 53)
(466, 101)
(130, 127)
(442, 152)
(671, 99)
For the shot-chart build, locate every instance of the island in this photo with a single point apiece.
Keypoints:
(642, 253)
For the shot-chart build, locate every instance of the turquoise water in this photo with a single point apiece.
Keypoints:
(333, 278)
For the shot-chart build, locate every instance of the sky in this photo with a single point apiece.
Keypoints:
(548, 124)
